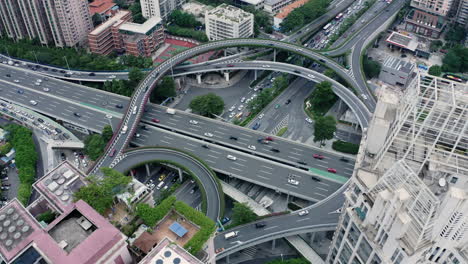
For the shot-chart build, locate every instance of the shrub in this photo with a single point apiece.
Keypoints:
(345, 147)
(152, 215)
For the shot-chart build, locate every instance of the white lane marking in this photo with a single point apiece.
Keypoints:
(165, 141)
(235, 169)
(215, 157)
(303, 219)
(297, 149)
(187, 148)
(322, 189)
(210, 161)
(297, 154)
(217, 152)
(193, 145)
(267, 167)
(267, 172)
(320, 194)
(271, 227)
(266, 178)
(326, 184)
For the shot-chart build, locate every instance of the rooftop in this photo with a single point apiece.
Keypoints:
(230, 13)
(167, 252)
(284, 12)
(402, 40)
(115, 19)
(100, 6)
(252, 2)
(272, 2)
(399, 65)
(141, 28)
(59, 185)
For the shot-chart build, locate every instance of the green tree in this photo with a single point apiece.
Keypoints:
(165, 89)
(280, 83)
(242, 214)
(457, 33)
(135, 75)
(207, 105)
(435, 70)
(183, 19)
(435, 45)
(97, 19)
(5, 149)
(94, 146)
(330, 73)
(262, 100)
(293, 20)
(107, 133)
(322, 97)
(456, 60)
(324, 128)
(371, 68)
(100, 192)
(47, 216)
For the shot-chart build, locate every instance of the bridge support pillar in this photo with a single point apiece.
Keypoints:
(274, 55)
(226, 76)
(199, 78)
(273, 244)
(227, 259)
(148, 172)
(255, 74)
(312, 238)
(180, 174)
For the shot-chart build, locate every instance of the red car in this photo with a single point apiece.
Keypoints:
(331, 170)
(230, 65)
(318, 156)
(112, 153)
(269, 138)
(155, 120)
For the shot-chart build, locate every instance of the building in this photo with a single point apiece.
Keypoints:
(462, 13)
(257, 4)
(274, 6)
(436, 7)
(409, 43)
(160, 8)
(120, 35)
(428, 17)
(196, 9)
(102, 7)
(227, 21)
(407, 200)
(169, 252)
(285, 11)
(64, 23)
(396, 72)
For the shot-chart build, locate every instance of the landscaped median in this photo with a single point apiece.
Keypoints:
(345, 147)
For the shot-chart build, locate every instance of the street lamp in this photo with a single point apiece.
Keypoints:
(65, 57)
(109, 117)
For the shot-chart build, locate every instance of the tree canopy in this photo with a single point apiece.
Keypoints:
(263, 99)
(165, 89)
(207, 105)
(456, 60)
(304, 14)
(183, 19)
(435, 70)
(242, 214)
(371, 68)
(324, 128)
(322, 98)
(94, 146)
(107, 133)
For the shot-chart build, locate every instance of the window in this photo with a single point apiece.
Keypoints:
(375, 260)
(364, 250)
(353, 235)
(345, 253)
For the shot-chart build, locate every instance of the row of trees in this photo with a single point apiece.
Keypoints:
(25, 159)
(304, 14)
(456, 60)
(95, 144)
(187, 33)
(184, 24)
(371, 67)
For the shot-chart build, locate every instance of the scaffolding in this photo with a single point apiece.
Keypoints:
(431, 127)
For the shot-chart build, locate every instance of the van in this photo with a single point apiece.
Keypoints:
(231, 234)
(160, 185)
(124, 129)
(134, 110)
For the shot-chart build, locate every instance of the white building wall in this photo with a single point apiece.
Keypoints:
(150, 8)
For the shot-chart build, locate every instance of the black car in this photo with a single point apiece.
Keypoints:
(233, 137)
(54, 70)
(275, 150)
(302, 162)
(45, 69)
(58, 130)
(40, 120)
(20, 91)
(6, 184)
(144, 127)
(62, 71)
(205, 146)
(296, 71)
(77, 114)
(92, 74)
(66, 136)
(315, 179)
(8, 75)
(260, 224)
(3, 104)
(344, 159)
(288, 101)
(322, 61)
(67, 75)
(119, 106)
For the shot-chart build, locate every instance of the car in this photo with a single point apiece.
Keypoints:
(45, 89)
(205, 146)
(155, 120)
(308, 120)
(225, 220)
(144, 127)
(230, 65)
(269, 138)
(5, 188)
(242, 99)
(315, 179)
(251, 147)
(344, 159)
(58, 130)
(16, 81)
(137, 135)
(231, 157)
(231, 115)
(232, 108)
(275, 150)
(67, 75)
(62, 71)
(111, 76)
(8, 75)
(293, 181)
(66, 136)
(240, 107)
(296, 71)
(207, 134)
(298, 49)
(193, 122)
(40, 120)
(266, 66)
(6, 184)
(77, 114)
(233, 137)
(364, 96)
(33, 102)
(303, 212)
(194, 189)
(92, 74)
(261, 116)
(119, 105)
(311, 76)
(256, 126)
(260, 225)
(301, 162)
(288, 102)
(332, 170)
(318, 156)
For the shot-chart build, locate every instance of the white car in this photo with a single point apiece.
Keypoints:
(111, 76)
(256, 88)
(231, 115)
(308, 120)
(39, 80)
(240, 107)
(137, 135)
(232, 108)
(16, 81)
(266, 66)
(303, 212)
(37, 83)
(298, 49)
(311, 76)
(208, 134)
(364, 96)
(252, 147)
(293, 181)
(231, 157)
(193, 122)
(33, 102)
(108, 116)
(46, 89)
(242, 99)
(261, 116)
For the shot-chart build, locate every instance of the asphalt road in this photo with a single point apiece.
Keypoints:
(207, 180)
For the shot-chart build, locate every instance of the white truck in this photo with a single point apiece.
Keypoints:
(171, 111)
(231, 234)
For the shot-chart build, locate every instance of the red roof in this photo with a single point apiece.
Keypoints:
(100, 6)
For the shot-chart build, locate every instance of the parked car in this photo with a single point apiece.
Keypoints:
(155, 120)
(208, 134)
(303, 212)
(331, 170)
(260, 225)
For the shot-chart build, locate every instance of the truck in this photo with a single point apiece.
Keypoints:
(171, 111)
(231, 234)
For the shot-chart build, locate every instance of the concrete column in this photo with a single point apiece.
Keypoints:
(273, 244)
(180, 174)
(255, 74)
(226, 76)
(148, 172)
(287, 197)
(274, 55)
(227, 257)
(131, 173)
(312, 238)
(199, 78)
(225, 53)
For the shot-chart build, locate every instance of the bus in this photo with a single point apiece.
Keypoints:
(453, 78)
(327, 26)
(339, 16)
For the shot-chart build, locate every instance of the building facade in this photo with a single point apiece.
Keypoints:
(160, 8)
(274, 6)
(227, 21)
(103, 39)
(462, 13)
(396, 72)
(429, 17)
(436, 7)
(407, 201)
(63, 23)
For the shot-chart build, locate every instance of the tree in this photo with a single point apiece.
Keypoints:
(457, 34)
(280, 83)
(47, 216)
(293, 20)
(94, 146)
(322, 97)
(262, 100)
(371, 68)
(207, 105)
(330, 73)
(165, 89)
(456, 60)
(135, 75)
(5, 149)
(435, 70)
(107, 133)
(435, 45)
(324, 128)
(100, 192)
(242, 214)
(183, 19)
(97, 19)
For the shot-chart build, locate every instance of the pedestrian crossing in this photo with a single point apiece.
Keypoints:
(284, 123)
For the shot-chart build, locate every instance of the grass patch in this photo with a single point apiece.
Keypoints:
(345, 147)
(282, 131)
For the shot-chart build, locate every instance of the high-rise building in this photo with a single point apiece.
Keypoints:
(407, 202)
(429, 17)
(226, 21)
(160, 8)
(64, 23)
(462, 13)
(436, 7)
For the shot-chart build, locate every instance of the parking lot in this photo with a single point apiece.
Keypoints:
(10, 183)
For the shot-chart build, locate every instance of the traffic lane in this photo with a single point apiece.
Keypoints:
(323, 213)
(208, 182)
(250, 168)
(185, 194)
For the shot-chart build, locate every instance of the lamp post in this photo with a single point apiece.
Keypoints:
(68, 66)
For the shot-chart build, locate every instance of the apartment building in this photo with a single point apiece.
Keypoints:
(274, 6)
(63, 23)
(429, 17)
(104, 38)
(160, 8)
(407, 201)
(462, 13)
(226, 21)
(436, 7)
